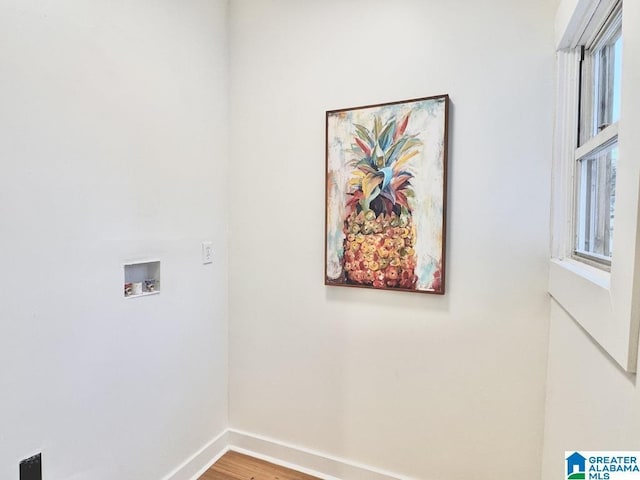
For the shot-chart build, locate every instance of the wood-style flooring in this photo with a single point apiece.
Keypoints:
(236, 466)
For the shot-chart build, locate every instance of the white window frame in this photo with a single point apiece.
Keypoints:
(605, 303)
(595, 137)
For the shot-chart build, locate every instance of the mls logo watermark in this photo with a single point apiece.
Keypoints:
(605, 465)
(575, 466)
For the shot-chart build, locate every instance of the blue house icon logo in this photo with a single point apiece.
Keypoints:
(576, 466)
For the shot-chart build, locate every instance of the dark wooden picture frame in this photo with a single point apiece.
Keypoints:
(386, 195)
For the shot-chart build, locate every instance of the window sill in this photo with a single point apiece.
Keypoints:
(597, 276)
(585, 293)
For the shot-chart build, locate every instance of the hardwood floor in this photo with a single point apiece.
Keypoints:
(236, 466)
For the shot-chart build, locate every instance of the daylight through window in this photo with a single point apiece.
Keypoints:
(597, 152)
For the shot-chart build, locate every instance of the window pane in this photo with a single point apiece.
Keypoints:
(600, 80)
(608, 83)
(617, 75)
(596, 203)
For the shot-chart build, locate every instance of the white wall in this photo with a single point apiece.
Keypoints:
(592, 404)
(113, 125)
(432, 387)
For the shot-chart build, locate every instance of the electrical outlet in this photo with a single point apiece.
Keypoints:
(207, 252)
(31, 468)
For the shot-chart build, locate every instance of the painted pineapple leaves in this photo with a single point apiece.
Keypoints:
(381, 157)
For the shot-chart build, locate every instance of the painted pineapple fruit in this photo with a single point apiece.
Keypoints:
(379, 244)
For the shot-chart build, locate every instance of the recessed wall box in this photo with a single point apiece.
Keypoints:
(141, 278)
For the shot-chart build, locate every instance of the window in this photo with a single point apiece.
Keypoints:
(597, 152)
(594, 270)
(596, 204)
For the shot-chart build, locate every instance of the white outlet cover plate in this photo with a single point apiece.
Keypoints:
(207, 252)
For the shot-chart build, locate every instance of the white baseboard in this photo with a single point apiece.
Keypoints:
(199, 462)
(304, 460)
(317, 464)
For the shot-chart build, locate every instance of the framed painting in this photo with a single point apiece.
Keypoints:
(386, 191)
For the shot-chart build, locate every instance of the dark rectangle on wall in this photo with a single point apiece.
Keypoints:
(31, 468)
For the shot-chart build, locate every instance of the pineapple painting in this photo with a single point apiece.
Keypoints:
(386, 186)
